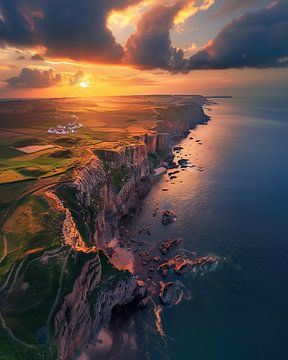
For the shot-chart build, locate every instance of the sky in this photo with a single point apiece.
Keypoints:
(53, 48)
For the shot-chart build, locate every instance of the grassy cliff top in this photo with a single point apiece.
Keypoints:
(34, 264)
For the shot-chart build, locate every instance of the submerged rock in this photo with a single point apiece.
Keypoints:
(177, 148)
(143, 303)
(173, 173)
(168, 217)
(182, 265)
(169, 244)
(144, 231)
(173, 177)
(200, 265)
(165, 291)
(182, 162)
(171, 293)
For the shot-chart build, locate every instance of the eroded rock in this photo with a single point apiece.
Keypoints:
(168, 217)
(169, 244)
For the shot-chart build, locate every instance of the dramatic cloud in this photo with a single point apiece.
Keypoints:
(33, 78)
(256, 40)
(231, 6)
(151, 47)
(78, 30)
(74, 29)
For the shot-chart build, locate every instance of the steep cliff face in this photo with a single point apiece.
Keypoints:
(107, 187)
(97, 290)
(178, 120)
(73, 322)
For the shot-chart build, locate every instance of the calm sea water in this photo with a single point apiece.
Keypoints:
(237, 208)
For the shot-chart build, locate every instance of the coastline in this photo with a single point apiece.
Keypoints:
(96, 203)
(125, 249)
(150, 267)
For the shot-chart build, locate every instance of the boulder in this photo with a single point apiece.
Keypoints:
(168, 217)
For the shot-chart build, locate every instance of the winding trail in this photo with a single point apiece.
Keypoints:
(2, 320)
(13, 337)
(5, 248)
(3, 287)
(16, 275)
(56, 303)
(59, 288)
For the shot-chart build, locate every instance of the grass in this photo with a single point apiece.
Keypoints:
(45, 163)
(118, 177)
(66, 153)
(83, 216)
(32, 171)
(10, 350)
(7, 350)
(27, 142)
(26, 310)
(80, 215)
(153, 158)
(7, 152)
(33, 226)
(68, 141)
(74, 267)
(10, 192)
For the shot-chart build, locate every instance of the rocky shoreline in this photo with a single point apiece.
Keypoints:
(105, 196)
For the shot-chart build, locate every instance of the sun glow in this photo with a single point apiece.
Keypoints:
(84, 84)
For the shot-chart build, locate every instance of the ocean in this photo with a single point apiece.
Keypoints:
(232, 204)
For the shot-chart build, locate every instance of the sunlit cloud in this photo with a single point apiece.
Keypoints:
(190, 9)
(191, 49)
(127, 17)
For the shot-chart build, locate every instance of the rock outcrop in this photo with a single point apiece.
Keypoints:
(97, 290)
(106, 188)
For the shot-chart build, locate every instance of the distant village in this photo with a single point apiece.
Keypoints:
(70, 128)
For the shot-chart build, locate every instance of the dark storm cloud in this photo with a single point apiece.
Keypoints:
(74, 29)
(256, 40)
(78, 30)
(231, 6)
(33, 78)
(150, 46)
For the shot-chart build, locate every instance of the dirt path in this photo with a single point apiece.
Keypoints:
(5, 249)
(13, 337)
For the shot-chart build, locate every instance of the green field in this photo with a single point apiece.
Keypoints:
(35, 266)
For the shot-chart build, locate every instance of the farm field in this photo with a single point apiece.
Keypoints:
(32, 159)
(42, 143)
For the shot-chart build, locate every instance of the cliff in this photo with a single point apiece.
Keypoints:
(97, 290)
(177, 120)
(60, 281)
(107, 188)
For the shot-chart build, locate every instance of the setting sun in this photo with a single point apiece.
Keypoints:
(143, 186)
(84, 84)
